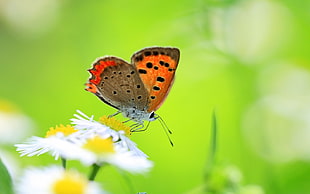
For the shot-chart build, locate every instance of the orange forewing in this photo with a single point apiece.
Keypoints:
(163, 68)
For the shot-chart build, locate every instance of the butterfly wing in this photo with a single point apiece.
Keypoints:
(117, 83)
(156, 67)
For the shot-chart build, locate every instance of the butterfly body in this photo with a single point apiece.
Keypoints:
(136, 89)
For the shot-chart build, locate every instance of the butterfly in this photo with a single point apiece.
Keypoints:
(137, 89)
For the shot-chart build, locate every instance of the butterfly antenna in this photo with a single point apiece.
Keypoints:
(163, 123)
(166, 129)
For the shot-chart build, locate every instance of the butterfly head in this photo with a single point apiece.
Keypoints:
(139, 115)
(152, 116)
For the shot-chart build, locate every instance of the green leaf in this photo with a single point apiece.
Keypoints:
(5, 180)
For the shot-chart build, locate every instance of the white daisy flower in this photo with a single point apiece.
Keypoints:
(106, 127)
(56, 139)
(100, 150)
(55, 180)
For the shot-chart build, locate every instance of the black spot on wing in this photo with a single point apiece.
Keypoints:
(160, 79)
(142, 71)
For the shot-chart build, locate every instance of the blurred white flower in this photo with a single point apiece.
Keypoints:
(251, 30)
(29, 17)
(58, 138)
(55, 180)
(277, 125)
(14, 125)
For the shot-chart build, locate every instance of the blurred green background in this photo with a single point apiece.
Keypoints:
(247, 60)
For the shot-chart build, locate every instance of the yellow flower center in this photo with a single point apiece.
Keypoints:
(66, 130)
(115, 124)
(70, 183)
(99, 145)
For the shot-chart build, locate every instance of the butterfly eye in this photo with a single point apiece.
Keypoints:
(152, 117)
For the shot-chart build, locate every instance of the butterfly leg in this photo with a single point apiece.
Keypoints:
(137, 127)
(127, 121)
(112, 115)
(134, 125)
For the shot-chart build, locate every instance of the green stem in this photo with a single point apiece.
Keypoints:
(94, 172)
(213, 146)
(64, 163)
(127, 179)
